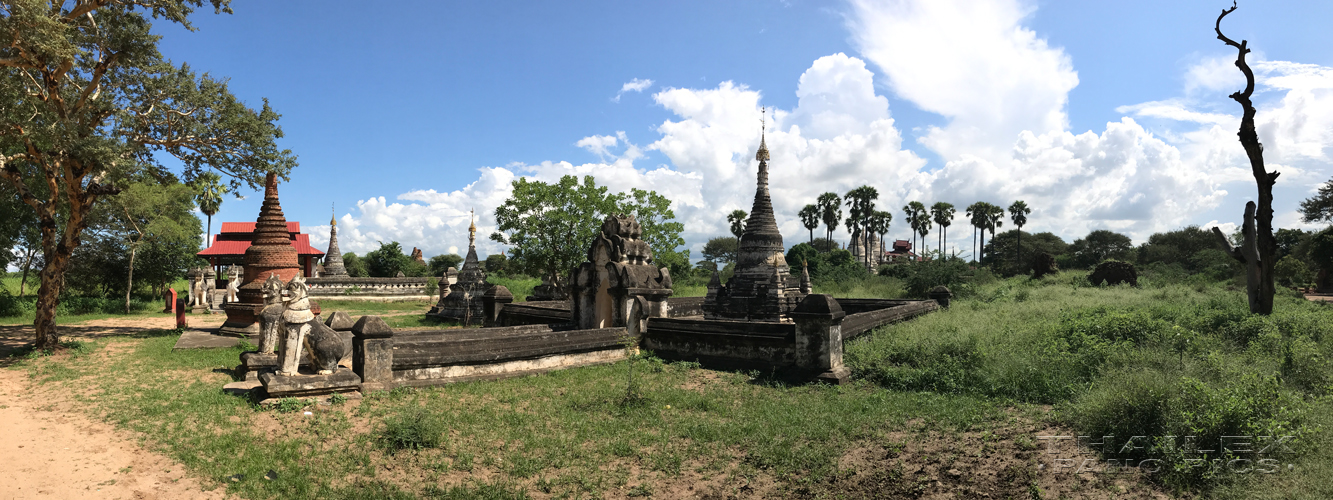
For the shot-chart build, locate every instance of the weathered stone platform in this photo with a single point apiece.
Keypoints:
(309, 383)
(204, 339)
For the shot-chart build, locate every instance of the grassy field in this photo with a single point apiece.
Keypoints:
(948, 404)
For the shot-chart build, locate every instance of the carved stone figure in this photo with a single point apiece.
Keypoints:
(618, 274)
(233, 283)
(196, 292)
(270, 317)
(210, 285)
(297, 318)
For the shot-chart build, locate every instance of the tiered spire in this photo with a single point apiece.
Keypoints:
(333, 259)
(761, 238)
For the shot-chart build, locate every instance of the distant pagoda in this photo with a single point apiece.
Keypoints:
(270, 253)
(462, 300)
(762, 288)
(333, 259)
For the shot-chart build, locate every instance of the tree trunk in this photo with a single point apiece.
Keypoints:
(982, 247)
(812, 236)
(129, 286)
(27, 266)
(48, 297)
(208, 234)
(1018, 261)
(1262, 289)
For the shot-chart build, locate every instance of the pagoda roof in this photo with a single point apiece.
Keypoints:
(249, 227)
(234, 247)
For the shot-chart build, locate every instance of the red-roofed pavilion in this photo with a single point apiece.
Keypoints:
(229, 246)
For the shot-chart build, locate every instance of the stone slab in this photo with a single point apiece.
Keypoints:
(241, 388)
(324, 400)
(309, 384)
(201, 339)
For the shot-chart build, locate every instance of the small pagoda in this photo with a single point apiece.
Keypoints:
(333, 259)
(462, 300)
(270, 253)
(762, 288)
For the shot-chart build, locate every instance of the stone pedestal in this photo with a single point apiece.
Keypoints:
(309, 383)
(372, 353)
(252, 363)
(492, 302)
(818, 321)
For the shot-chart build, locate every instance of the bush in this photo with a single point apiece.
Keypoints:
(413, 430)
(9, 304)
(950, 272)
(1292, 272)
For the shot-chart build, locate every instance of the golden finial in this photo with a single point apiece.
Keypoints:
(472, 228)
(333, 217)
(762, 154)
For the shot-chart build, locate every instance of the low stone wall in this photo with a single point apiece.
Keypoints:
(902, 310)
(679, 307)
(386, 359)
(534, 313)
(369, 289)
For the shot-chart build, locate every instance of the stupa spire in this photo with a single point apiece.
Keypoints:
(333, 259)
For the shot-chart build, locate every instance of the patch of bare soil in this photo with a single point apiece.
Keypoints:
(15, 337)
(52, 451)
(1010, 460)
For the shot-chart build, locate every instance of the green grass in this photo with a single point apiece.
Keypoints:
(520, 286)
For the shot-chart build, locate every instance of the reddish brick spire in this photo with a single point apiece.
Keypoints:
(271, 253)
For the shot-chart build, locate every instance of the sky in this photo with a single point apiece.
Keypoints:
(1099, 115)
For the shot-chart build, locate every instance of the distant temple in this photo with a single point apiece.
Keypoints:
(235, 237)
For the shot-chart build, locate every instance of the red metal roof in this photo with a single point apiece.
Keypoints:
(237, 247)
(249, 227)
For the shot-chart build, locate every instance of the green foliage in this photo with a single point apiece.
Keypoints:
(441, 263)
(736, 219)
(1098, 246)
(549, 226)
(1319, 208)
(355, 265)
(290, 405)
(151, 221)
(388, 260)
(948, 271)
(411, 430)
(1293, 272)
(809, 216)
(830, 212)
(1177, 247)
(1000, 251)
(720, 250)
(496, 263)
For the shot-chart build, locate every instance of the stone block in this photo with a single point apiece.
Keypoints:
(309, 384)
(371, 327)
(339, 321)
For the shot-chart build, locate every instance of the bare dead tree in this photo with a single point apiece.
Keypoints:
(1258, 247)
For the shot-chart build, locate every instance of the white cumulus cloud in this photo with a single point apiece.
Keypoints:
(635, 85)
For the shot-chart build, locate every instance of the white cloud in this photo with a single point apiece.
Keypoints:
(635, 85)
(970, 61)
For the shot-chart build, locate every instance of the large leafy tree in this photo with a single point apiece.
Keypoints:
(830, 212)
(1018, 212)
(942, 213)
(721, 250)
(150, 213)
(89, 100)
(549, 226)
(208, 194)
(1100, 245)
(810, 219)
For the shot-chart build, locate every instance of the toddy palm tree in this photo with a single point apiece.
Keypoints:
(882, 220)
(208, 194)
(976, 219)
(830, 211)
(943, 214)
(810, 219)
(861, 202)
(912, 210)
(994, 219)
(1019, 211)
(737, 220)
(923, 225)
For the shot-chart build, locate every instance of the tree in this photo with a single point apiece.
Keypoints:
(549, 226)
(810, 219)
(830, 212)
(923, 225)
(943, 215)
(387, 261)
(1319, 208)
(1258, 248)
(89, 100)
(495, 263)
(913, 212)
(882, 222)
(355, 265)
(1100, 245)
(720, 250)
(441, 263)
(146, 212)
(660, 229)
(1008, 242)
(994, 219)
(976, 215)
(737, 220)
(1177, 247)
(1018, 211)
(861, 208)
(208, 194)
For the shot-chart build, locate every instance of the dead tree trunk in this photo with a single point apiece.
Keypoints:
(1258, 219)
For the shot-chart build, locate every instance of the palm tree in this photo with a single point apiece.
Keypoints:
(923, 226)
(737, 220)
(861, 202)
(943, 214)
(810, 219)
(913, 221)
(208, 190)
(976, 215)
(830, 211)
(994, 218)
(882, 220)
(1019, 213)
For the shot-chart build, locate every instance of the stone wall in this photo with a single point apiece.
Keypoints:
(371, 289)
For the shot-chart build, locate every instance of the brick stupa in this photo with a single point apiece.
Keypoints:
(271, 253)
(762, 288)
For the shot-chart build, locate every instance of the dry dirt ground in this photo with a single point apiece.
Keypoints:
(51, 450)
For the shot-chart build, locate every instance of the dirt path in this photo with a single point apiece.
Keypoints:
(50, 451)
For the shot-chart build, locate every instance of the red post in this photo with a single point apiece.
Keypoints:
(169, 297)
(180, 313)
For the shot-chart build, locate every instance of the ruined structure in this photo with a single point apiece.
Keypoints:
(460, 295)
(333, 259)
(618, 285)
(416, 256)
(762, 288)
(876, 257)
(270, 253)
(1043, 265)
(1114, 272)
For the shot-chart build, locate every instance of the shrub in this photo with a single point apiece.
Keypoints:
(9, 304)
(413, 430)
(929, 274)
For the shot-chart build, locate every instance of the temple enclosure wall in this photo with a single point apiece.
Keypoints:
(369, 289)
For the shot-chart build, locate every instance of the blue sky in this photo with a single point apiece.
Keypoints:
(1098, 114)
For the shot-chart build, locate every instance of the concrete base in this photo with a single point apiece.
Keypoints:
(308, 383)
(250, 331)
(837, 376)
(200, 339)
(252, 362)
(241, 388)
